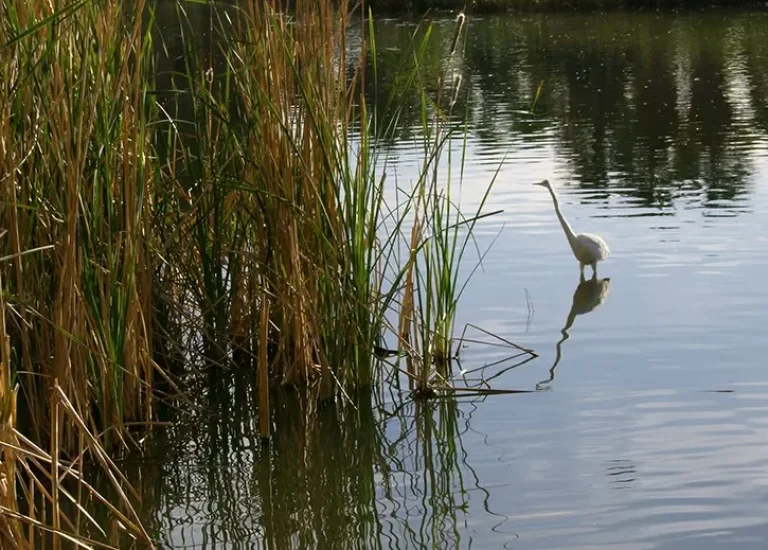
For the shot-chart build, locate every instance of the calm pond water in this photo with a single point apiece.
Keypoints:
(652, 429)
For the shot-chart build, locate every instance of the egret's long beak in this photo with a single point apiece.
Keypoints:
(542, 183)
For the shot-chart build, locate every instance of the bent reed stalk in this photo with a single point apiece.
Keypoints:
(233, 211)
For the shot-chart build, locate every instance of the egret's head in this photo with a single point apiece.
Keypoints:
(543, 183)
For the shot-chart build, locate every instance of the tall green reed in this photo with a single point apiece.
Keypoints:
(440, 233)
(76, 181)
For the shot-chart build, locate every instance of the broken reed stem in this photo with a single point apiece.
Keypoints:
(108, 467)
(55, 457)
(263, 368)
(406, 316)
(11, 533)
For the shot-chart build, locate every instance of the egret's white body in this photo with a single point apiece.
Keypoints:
(588, 249)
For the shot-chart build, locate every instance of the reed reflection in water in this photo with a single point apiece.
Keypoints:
(375, 477)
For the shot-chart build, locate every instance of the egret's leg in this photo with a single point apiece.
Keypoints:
(594, 270)
(581, 269)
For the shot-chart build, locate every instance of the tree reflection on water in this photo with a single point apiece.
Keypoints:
(649, 106)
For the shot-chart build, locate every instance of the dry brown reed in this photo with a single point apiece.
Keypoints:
(238, 212)
(74, 188)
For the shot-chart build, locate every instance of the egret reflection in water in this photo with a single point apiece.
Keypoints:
(589, 295)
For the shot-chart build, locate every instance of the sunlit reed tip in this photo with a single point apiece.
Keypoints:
(459, 25)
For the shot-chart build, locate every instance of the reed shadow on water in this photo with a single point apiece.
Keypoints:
(381, 476)
(589, 295)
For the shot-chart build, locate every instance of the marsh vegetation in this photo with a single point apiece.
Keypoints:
(167, 221)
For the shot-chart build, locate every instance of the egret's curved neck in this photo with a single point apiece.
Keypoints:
(567, 228)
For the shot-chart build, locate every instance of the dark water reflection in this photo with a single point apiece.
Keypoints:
(654, 105)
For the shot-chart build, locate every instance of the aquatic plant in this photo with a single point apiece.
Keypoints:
(230, 211)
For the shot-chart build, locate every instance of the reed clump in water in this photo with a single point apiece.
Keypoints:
(240, 209)
(287, 248)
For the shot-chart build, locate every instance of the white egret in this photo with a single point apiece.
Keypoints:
(588, 249)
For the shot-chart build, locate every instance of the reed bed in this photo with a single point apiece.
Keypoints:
(76, 270)
(229, 211)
